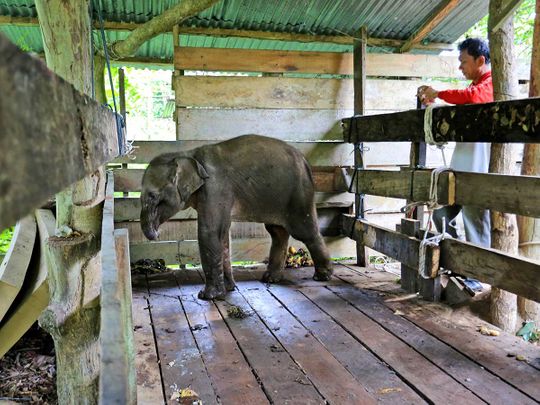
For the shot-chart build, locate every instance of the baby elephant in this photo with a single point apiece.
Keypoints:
(250, 178)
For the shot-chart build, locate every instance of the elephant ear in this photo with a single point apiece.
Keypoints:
(190, 176)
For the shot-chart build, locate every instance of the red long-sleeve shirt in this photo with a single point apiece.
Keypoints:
(480, 92)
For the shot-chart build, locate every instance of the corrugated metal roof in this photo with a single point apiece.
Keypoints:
(397, 19)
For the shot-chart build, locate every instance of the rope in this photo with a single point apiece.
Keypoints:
(124, 147)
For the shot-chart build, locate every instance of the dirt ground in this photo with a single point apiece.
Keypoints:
(28, 370)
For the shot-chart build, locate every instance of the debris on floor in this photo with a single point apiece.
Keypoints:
(185, 396)
(28, 370)
(529, 332)
(236, 312)
(488, 332)
(148, 266)
(298, 258)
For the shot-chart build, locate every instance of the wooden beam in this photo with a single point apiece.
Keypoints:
(234, 33)
(117, 382)
(400, 247)
(514, 194)
(433, 20)
(513, 121)
(51, 135)
(316, 153)
(508, 272)
(508, 12)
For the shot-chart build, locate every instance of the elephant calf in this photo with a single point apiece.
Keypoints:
(249, 178)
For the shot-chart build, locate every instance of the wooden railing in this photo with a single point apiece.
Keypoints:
(506, 121)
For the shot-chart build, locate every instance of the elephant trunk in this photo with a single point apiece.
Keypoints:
(149, 224)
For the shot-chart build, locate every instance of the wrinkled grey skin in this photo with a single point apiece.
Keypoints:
(249, 178)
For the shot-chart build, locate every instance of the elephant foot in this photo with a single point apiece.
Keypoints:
(211, 292)
(229, 285)
(322, 274)
(272, 277)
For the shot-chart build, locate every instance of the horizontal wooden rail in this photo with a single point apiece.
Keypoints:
(508, 272)
(504, 193)
(316, 153)
(274, 61)
(513, 121)
(117, 383)
(326, 179)
(50, 135)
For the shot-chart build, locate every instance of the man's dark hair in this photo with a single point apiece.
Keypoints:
(475, 47)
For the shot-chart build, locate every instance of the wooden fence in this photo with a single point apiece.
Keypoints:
(56, 136)
(255, 93)
(505, 121)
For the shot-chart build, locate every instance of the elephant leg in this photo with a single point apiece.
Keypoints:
(307, 232)
(278, 253)
(211, 245)
(227, 268)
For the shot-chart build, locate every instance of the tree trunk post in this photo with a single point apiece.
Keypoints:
(529, 228)
(74, 261)
(503, 226)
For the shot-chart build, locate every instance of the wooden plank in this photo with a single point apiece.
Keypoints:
(441, 12)
(483, 383)
(278, 372)
(84, 129)
(433, 383)
(273, 61)
(149, 390)
(293, 93)
(509, 272)
(326, 179)
(512, 121)
(230, 373)
(285, 124)
(512, 273)
(15, 265)
(35, 296)
(129, 209)
(401, 247)
(116, 378)
(316, 153)
(379, 380)
(182, 364)
(486, 351)
(244, 249)
(505, 193)
(334, 382)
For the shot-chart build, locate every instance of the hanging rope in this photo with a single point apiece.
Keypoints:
(428, 131)
(124, 147)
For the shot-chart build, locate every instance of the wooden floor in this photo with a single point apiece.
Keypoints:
(356, 339)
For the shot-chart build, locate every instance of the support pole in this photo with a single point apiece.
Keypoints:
(529, 228)
(359, 69)
(503, 225)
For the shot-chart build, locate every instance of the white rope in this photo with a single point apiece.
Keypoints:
(428, 131)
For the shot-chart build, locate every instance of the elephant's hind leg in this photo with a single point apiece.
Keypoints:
(308, 233)
(278, 253)
(227, 268)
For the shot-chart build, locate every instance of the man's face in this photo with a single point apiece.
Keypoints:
(469, 66)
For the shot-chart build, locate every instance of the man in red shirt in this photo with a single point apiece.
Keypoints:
(470, 157)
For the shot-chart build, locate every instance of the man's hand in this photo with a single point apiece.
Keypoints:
(427, 94)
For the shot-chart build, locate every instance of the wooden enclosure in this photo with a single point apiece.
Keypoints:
(299, 97)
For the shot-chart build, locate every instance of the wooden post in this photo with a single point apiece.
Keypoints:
(176, 73)
(418, 158)
(122, 97)
(503, 226)
(529, 228)
(409, 275)
(359, 68)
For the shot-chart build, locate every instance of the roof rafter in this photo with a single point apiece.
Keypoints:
(508, 11)
(268, 35)
(438, 15)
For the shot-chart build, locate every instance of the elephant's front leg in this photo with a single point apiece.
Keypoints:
(211, 249)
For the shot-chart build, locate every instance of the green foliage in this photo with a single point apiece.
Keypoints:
(523, 29)
(5, 240)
